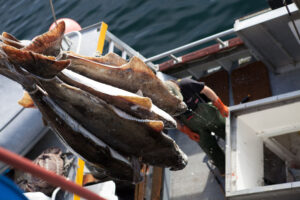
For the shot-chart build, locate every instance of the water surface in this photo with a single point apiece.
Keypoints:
(149, 26)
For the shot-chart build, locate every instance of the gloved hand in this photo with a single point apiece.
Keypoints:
(26, 101)
(221, 107)
(192, 135)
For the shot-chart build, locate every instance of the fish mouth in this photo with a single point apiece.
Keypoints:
(182, 107)
(182, 162)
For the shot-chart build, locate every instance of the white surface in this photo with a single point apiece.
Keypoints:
(11, 92)
(273, 120)
(106, 190)
(267, 16)
(36, 196)
(277, 120)
(249, 172)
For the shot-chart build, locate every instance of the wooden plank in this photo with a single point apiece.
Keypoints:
(157, 182)
(139, 192)
(210, 51)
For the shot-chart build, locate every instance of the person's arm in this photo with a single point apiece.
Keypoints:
(216, 100)
(209, 93)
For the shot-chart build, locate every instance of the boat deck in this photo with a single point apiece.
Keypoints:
(195, 181)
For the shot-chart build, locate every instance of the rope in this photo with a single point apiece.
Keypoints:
(53, 12)
(65, 38)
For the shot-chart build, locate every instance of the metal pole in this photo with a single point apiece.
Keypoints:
(190, 45)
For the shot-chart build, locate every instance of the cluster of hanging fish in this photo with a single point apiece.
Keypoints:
(111, 112)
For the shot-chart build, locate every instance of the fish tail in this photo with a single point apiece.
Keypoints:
(45, 67)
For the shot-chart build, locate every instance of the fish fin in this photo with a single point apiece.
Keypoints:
(109, 59)
(137, 64)
(89, 179)
(158, 126)
(113, 59)
(143, 102)
(26, 101)
(45, 67)
(48, 43)
(16, 43)
(140, 93)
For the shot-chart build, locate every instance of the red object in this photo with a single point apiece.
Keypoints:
(221, 107)
(192, 135)
(190, 117)
(71, 25)
(26, 165)
(196, 55)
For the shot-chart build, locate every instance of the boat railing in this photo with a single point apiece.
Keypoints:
(170, 53)
(115, 42)
(112, 42)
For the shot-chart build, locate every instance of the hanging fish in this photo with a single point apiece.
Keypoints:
(125, 133)
(133, 76)
(46, 68)
(106, 114)
(111, 69)
(94, 151)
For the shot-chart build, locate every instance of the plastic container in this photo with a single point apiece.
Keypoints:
(9, 190)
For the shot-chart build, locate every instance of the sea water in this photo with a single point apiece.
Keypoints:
(149, 26)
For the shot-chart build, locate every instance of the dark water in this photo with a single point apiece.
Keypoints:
(149, 26)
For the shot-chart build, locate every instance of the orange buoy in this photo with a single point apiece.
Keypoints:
(71, 25)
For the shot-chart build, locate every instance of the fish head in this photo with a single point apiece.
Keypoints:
(182, 160)
(175, 91)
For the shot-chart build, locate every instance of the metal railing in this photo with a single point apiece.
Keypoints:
(115, 44)
(171, 53)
